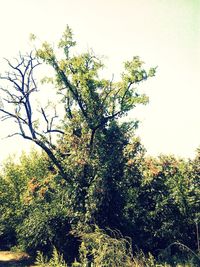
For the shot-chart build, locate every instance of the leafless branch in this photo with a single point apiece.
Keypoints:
(21, 84)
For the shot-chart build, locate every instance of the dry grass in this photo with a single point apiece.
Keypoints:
(14, 259)
(13, 256)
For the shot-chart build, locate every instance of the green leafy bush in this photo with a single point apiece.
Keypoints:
(101, 249)
(55, 261)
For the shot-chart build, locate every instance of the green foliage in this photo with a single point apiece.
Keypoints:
(163, 207)
(186, 257)
(98, 249)
(95, 172)
(103, 250)
(96, 100)
(91, 149)
(153, 191)
(55, 261)
(13, 187)
(40, 227)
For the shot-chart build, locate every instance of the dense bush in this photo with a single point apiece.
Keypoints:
(159, 207)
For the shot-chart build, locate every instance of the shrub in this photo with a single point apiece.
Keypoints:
(55, 261)
(101, 249)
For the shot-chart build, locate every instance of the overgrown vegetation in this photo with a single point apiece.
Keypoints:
(92, 173)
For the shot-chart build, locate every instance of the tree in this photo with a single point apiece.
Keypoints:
(88, 152)
(87, 99)
(164, 206)
(15, 179)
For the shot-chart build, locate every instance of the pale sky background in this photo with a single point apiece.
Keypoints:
(164, 33)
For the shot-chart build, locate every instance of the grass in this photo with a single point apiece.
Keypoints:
(16, 259)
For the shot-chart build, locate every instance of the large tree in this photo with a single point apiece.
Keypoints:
(88, 150)
(89, 101)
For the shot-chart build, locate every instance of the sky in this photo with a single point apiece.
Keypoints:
(164, 33)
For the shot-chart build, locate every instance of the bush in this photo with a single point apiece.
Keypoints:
(101, 249)
(98, 249)
(55, 261)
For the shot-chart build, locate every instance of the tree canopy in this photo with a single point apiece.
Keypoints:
(90, 103)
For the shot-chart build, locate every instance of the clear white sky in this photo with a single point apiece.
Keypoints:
(164, 33)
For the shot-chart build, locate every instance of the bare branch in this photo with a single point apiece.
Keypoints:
(22, 84)
(44, 115)
(11, 135)
(12, 115)
(54, 131)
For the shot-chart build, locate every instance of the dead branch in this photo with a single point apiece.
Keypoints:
(17, 88)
